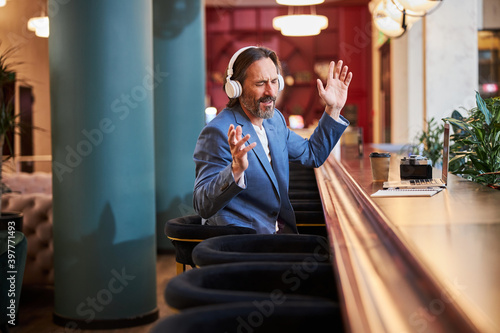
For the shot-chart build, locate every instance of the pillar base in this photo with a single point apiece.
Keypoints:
(106, 323)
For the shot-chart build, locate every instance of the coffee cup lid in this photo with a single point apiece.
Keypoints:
(377, 154)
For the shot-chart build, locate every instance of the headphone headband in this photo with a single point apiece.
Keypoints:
(233, 59)
(232, 88)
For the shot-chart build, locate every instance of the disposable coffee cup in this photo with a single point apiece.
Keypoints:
(380, 166)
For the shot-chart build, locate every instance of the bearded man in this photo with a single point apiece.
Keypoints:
(242, 156)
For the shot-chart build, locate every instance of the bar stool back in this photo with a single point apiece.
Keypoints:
(269, 248)
(306, 200)
(187, 231)
(277, 282)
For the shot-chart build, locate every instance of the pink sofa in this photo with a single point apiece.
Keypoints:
(22, 182)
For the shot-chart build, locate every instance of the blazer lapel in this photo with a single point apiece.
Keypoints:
(276, 154)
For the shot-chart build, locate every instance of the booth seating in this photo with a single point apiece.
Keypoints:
(252, 282)
(186, 232)
(257, 317)
(261, 248)
(32, 195)
(12, 274)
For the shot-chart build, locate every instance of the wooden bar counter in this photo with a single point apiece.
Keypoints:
(411, 264)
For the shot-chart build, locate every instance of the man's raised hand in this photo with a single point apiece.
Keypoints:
(335, 93)
(238, 150)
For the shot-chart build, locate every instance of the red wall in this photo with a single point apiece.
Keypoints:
(347, 37)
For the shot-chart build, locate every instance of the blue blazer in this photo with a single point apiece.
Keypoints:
(219, 200)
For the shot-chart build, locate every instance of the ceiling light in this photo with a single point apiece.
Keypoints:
(3, 3)
(390, 20)
(300, 25)
(300, 22)
(394, 17)
(417, 7)
(299, 2)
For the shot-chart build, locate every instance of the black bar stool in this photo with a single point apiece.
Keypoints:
(304, 194)
(306, 201)
(270, 248)
(307, 281)
(187, 231)
(256, 317)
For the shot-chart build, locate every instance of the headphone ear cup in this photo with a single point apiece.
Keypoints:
(233, 89)
(281, 82)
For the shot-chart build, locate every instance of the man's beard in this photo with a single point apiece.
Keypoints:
(253, 106)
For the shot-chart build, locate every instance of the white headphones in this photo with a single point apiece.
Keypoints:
(232, 87)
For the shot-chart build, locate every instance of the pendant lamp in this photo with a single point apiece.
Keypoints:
(300, 23)
(299, 2)
(417, 7)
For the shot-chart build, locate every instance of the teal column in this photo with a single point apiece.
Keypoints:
(102, 79)
(179, 57)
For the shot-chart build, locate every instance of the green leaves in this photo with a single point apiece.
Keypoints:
(476, 142)
(482, 106)
(9, 121)
(432, 140)
(458, 123)
(7, 74)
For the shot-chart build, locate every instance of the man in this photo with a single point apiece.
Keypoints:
(242, 155)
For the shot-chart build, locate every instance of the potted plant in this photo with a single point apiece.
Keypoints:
(8, 123)
(476, 143)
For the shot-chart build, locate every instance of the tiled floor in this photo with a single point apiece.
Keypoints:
(37, 305)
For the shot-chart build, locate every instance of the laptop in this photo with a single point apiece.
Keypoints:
(426, 183)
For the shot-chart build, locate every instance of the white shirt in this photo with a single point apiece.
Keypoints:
(261, 133)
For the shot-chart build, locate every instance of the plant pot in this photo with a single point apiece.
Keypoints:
(7, 218)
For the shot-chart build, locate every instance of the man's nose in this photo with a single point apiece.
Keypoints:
(270, 89)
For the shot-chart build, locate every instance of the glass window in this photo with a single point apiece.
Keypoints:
(489, 63)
